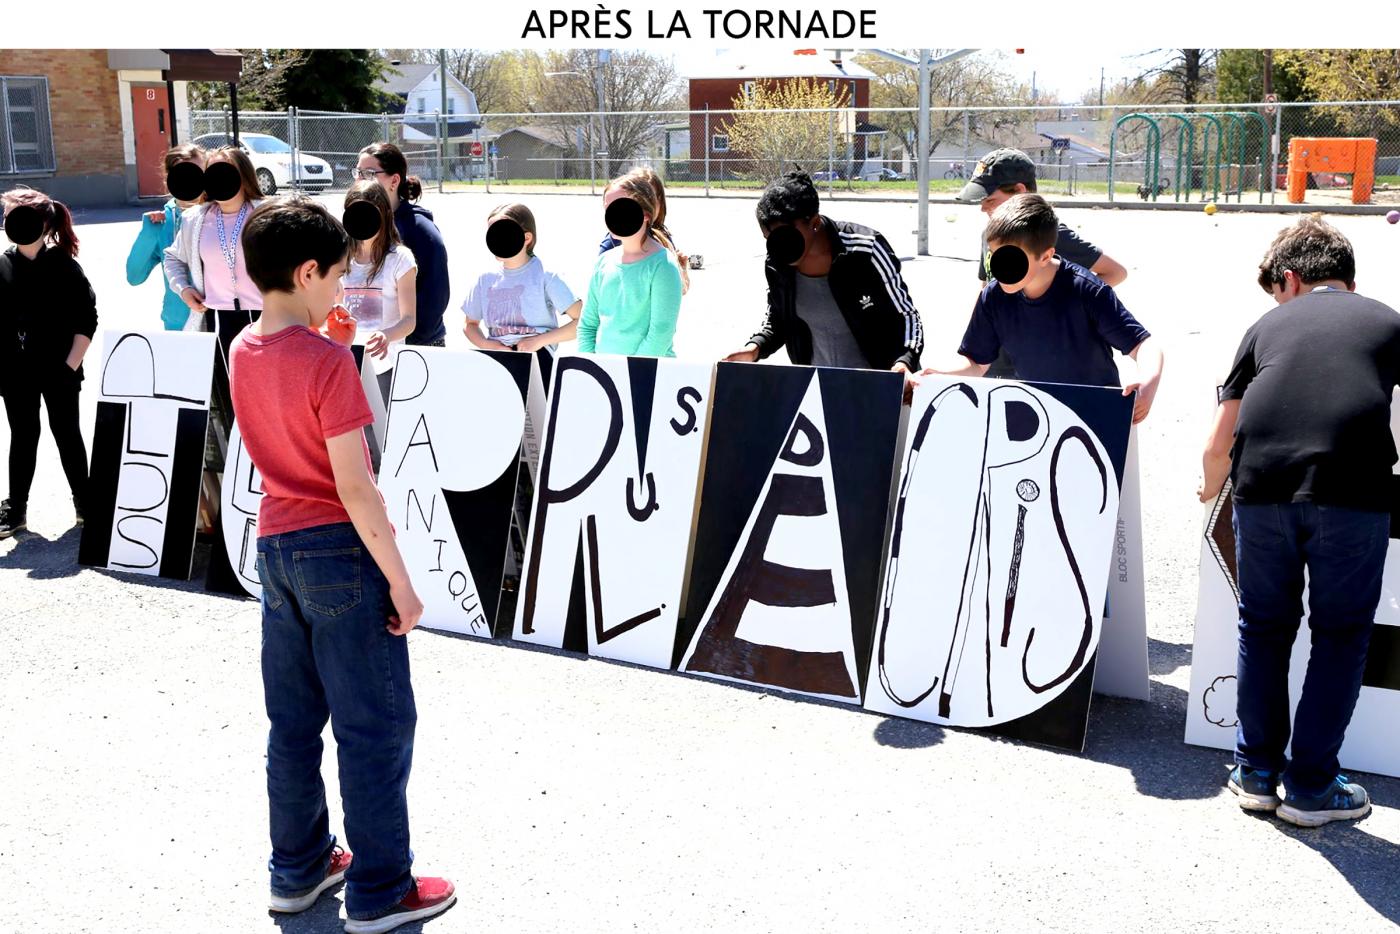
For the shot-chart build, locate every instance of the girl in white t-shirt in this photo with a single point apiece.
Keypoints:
(379, 288)
(518, 306)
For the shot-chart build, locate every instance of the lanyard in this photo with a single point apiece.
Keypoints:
(230, 248)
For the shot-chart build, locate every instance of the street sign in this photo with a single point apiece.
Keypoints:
(477, 149)
(1270, 104)
(493, 149)
(1060, 142)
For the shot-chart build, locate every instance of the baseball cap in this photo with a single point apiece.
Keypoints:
(997, 168)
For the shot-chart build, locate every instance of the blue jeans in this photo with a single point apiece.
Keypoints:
(326, 654)
(1344, 553)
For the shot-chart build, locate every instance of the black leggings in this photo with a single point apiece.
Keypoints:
(59, 392)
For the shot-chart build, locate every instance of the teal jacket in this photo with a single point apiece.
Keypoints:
(148, 252)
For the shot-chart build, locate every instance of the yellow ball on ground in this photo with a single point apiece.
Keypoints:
(1210, 207)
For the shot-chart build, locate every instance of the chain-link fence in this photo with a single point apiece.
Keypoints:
(1207, 152)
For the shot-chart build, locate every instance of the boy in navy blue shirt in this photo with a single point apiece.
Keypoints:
(1059, 322)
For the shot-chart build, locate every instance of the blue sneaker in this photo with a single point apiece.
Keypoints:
(1343, 800)
(1257, 788)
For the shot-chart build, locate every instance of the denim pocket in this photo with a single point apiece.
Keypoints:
(1351, 533)
(271, 599)
(328, 580)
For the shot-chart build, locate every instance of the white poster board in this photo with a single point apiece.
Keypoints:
(1121, 669)
(1211, 720)
(148, 452)
(1004, 531)
(451, 462)
(614, 504)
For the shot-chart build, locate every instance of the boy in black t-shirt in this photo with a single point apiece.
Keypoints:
(1307, 404)
(1060, 323)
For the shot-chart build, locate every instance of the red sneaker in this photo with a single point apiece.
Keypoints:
(335, 874)
(427, 898)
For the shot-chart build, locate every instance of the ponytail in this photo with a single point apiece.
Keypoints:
(58, 220)
(61, 229)
(391, 159)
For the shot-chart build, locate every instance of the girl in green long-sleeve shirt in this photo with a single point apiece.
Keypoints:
(634, 296)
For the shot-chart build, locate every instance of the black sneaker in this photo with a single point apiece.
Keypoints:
(1257, 788)
(1343, 800)
(12, 519)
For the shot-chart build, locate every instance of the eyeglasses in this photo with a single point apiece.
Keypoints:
(367, 173)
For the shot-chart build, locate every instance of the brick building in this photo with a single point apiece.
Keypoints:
(89, 126)
(717, 86)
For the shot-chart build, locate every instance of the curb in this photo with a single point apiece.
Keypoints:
(1224, 207)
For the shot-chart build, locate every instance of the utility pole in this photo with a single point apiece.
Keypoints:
(603, 57)
(1268, 72)
(442, 116)
(925, 66)
(924, 81)
(1100, 85)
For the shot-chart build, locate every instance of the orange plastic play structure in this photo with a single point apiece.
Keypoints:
(1355, 156)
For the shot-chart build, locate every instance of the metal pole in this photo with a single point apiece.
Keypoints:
(233, 106)
(707, 150)
(1275, 146)
(437, 124)
(292, 141)
(967, 142)
(592, 156)
(442, 115)
(384, 121)
(603, 58)
(923, 150)
(170, 98)
(830, 154)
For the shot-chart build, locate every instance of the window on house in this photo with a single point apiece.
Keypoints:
(422, 105)
(451, 105)
(26, 136)
(720, 143)
(748, 89)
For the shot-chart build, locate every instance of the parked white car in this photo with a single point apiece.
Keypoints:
(272, 161)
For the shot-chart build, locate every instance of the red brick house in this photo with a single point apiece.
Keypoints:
(715, 87)
(89, 126)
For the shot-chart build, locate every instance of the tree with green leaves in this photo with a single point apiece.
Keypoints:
(311, 79)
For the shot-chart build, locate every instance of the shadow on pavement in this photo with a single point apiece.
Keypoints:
(321, 918)
(123, 214)
(1366, 862)
(1166, 657)
(907, 734)
(44, 558)
(324, 918)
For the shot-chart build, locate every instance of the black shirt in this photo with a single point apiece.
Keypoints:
(1067, 335)
(432, 290)
(44, 303)
(1314, 377)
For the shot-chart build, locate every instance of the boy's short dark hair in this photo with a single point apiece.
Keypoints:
(1315, 251)
(792, 197)
(1026, 220)
(283, 233)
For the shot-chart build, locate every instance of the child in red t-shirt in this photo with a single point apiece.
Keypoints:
(336, 597)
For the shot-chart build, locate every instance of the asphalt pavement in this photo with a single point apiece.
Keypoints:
(566, 794)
